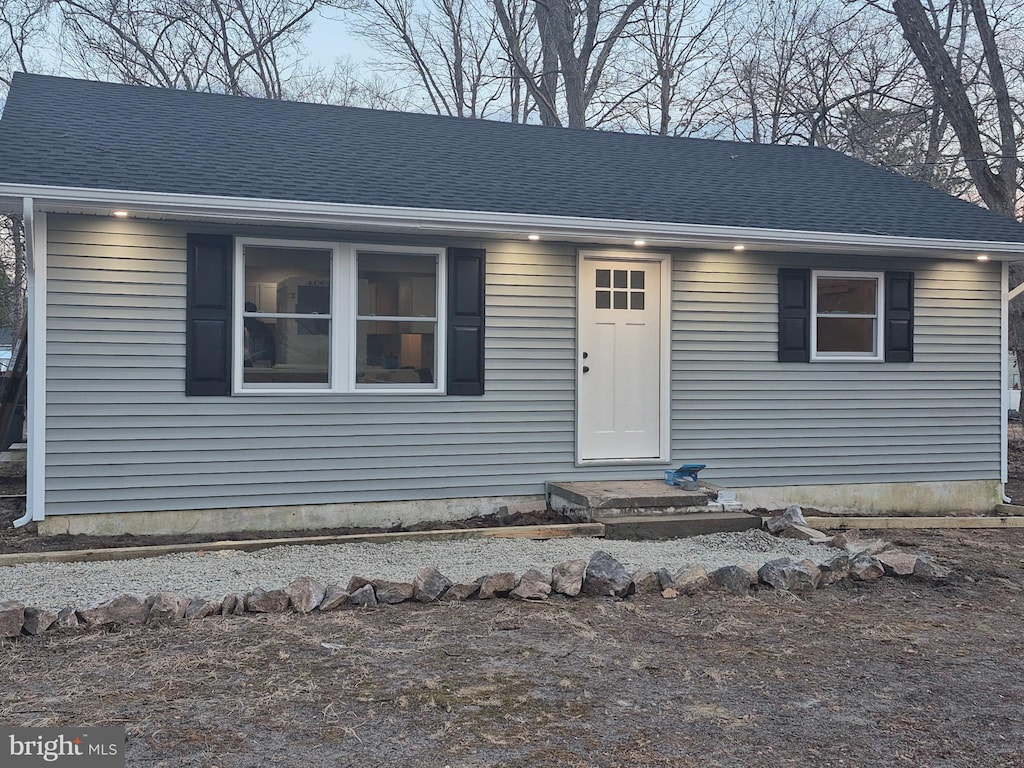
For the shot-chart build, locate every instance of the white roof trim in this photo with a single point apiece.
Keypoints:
(480, 222)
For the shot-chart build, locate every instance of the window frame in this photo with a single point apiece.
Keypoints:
(341, 371)
(879, 318)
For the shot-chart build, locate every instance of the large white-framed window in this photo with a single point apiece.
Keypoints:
(317, 317)
(846, 316)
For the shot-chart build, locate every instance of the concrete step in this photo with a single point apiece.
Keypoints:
(659, 527)
(615, 496)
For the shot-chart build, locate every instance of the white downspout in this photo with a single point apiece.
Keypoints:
(1004, 376)
(35, 258)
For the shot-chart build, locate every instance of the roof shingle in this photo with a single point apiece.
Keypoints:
(75, 133)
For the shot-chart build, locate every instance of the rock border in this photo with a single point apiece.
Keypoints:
(855, 559)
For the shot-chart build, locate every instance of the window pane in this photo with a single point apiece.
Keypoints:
(636, 299)
(604, 278)
(621, 276)
(396, 285)
(395, 352)
(619, 299)
(287, 280)
(603, 300)
(855, 335)
(846, 296)
(286, 351)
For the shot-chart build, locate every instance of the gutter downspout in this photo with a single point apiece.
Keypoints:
(35, 258)
(1004, 376)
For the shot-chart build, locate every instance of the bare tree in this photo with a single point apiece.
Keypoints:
(576, 40)
(22, 24)
(992, 161)
(672, 62)
(244, 47)
(448, 47)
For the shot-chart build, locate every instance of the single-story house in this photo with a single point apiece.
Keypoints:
(249, 313)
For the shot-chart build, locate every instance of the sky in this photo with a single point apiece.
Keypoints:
(329, 40)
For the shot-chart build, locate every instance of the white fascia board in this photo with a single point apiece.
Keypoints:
(56, 199)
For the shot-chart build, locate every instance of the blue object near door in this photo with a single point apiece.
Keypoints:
(685, 477)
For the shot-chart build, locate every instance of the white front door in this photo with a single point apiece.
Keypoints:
(619, 370)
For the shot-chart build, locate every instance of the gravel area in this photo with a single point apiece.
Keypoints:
(211, 575)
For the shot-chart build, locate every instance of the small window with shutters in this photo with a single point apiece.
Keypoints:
(854, 316)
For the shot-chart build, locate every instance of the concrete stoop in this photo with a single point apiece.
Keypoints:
(650, 509)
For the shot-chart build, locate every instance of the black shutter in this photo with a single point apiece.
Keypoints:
(465, 321)
(208, 316)
(794, 315)
(899, 317)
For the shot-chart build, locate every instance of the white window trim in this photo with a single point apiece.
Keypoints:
(344, 306)
(441, 310)
(879, 317)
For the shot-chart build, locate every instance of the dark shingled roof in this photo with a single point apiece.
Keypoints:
(75, 133)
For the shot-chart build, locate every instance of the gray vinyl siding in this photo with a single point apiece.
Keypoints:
(121, 435)
(758, 422)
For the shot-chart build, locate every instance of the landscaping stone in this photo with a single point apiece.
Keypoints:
(567, 577)
(305, 594)
(835, 569)
(606, 576)
(533, 585)
(691, 579)
(357, 582)
(735, 579)
(792, 516)
(790, 575)
(67, 618)
(804, 533)
(239, 607)
(334, 597)
(670, 593)
(123, 609)
(867, 546)
(496, 585)
(392, 592)
(898, 563)
(38, 620)
(929, 570)
(227, 605)
(665, 579)
(460, 592)
(865, 567)
(200, 609)
(166, 606)
(845, 539)
(429, 584)
(266, 601)
(12, 618)
(646, 581)
(363, 597)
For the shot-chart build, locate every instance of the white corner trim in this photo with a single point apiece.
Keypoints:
(425, 220)
(35, 242)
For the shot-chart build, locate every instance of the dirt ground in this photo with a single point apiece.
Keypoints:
(884, 674)
(26, 539)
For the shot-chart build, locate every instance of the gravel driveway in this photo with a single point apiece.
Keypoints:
(211, 575)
